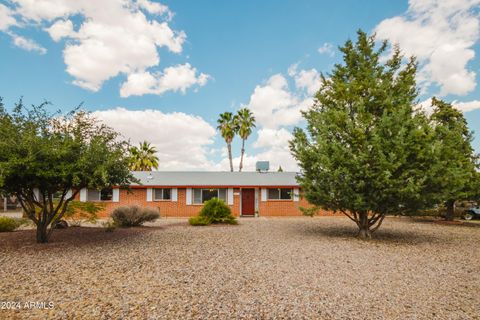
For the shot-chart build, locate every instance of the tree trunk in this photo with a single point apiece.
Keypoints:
(42, 233)
(241, 156)
(450, 210)
(363, 225)
(229, 147)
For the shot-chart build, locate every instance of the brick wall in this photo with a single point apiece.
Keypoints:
(179, 208)
(286, 208)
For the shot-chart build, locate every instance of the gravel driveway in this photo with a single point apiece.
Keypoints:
(297, 268)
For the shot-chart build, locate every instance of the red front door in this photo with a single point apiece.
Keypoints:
(248, 202)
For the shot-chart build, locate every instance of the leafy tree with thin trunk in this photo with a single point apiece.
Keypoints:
(228, 127)
(365, 151)
(245, 122)
(47, 158)
(453, 176)
(143, 157)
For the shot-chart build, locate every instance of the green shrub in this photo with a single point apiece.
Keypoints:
(82, 211)
(132, 216)
(213, 211)
(8, 224)
(199, 221)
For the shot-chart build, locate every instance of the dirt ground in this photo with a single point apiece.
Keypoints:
(297, 268)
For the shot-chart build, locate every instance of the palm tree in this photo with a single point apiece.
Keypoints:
(228, 128)
(143, 158)
(245, 123)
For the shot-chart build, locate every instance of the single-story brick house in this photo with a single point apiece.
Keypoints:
(181, 194)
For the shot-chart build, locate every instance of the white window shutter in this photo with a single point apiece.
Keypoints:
(115, 195)
(149, 194)
(189, 196)
(230, 196)
(174, 194)
(36, 194)
(264, 194)
(83, 194)
(68, 194)
(296, 194)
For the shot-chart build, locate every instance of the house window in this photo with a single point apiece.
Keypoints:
(162, 194)
(100, 195)
(280, 194)
(202, 195)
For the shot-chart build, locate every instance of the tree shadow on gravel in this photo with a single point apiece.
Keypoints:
(386, 235)
(441, 222)
(72, 237)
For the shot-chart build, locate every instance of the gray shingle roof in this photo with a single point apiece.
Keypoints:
(209, 178)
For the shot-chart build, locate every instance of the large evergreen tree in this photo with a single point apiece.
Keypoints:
(366, 150)
(453, 176)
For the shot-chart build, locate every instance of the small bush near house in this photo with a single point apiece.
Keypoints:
(77, 212)
(214, 211)
(132, 216)
(8, 224)
(199, 221)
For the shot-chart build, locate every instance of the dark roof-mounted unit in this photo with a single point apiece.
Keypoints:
(262, 166)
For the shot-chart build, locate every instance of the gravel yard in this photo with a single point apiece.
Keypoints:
(261, 269)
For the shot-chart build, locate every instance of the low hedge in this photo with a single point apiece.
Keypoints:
(8, 224)
(132, 216)
(213, 211)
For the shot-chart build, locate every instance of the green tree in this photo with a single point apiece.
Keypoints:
(245, 122)
(280, 169)
(143, 157)
(366, 152)
(48, 155)
(453, 175)
(228, 127)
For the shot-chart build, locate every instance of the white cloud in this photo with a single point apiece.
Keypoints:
(155, 8)
(273, 104)
(467, 106)
(27, 44)
(112, 37)
(6, 18)
(60, 29)
(176, 78)
(185, 142)
(276, 156)
(277, 108)
(309, 80)
(425, 106)
(275, 143)
(272, 138)
(182, 140)
(38, 10)
(441, 34)
(327, 48)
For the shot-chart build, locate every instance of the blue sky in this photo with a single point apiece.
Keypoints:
(163, 71)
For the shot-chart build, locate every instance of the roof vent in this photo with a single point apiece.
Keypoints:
(262, 166)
